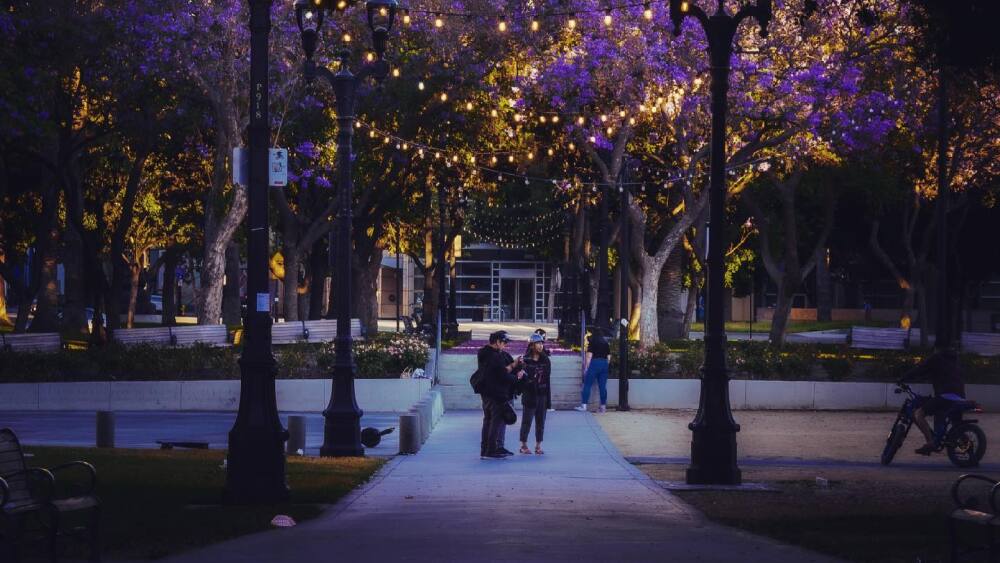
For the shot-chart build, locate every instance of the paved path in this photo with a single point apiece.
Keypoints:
(142, 429)
(580, 502)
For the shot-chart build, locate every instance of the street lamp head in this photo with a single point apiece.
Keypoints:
(381, 17)
(678, 10)
(309, 17)
(764, 13)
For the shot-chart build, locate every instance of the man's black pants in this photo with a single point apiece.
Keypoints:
(493, 426)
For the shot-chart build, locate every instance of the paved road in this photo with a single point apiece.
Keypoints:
(142, 429)
(580, 502)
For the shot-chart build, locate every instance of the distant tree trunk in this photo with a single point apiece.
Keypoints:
(319, 265)
(231, 306)
(782, 310)
(670, 315)
(169, 313)
(75, 298)
(365, 290)
(46, 317)
(4, 317)
(824, 287)
(692, 305)
(555, 285)
(135, 273)
(290, 289)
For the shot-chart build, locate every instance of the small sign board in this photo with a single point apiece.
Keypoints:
(277, 167)
(263, 302)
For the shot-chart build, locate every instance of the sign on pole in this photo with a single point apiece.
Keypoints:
(277, 170)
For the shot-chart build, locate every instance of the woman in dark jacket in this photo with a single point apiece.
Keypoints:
(534, 389)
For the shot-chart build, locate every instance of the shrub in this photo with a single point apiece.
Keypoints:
(384, 355)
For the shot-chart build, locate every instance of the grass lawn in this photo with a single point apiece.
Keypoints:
(158, 502)
(793, 326)
(867, 515)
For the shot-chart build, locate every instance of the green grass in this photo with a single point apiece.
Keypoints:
(793, 326)
(158, 502)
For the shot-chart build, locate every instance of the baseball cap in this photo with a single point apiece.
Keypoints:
(536, 338)
(499, 336)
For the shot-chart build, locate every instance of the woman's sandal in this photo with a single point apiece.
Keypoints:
(525, 450)
(538, 450)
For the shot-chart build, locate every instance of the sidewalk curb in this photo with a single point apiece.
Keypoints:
(350, 498)
(688, 511)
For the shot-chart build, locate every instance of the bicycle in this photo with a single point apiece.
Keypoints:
(962, 439)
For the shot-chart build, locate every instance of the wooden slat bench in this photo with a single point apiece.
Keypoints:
(213, 335)
(982, 343)
(324, 330)
(975, 511)
(884, 338)
(40, 342)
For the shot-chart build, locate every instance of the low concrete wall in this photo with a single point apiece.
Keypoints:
(782, 395)
(306, 395)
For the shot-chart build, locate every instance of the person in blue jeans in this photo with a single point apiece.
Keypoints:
(597, 370)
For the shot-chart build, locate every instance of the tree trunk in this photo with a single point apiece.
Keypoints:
(4, 317)
(652, 269)
(135, 271)
(290, 289)
(319, 266)
(74, 320)
(670, 314)
(922, 309)
(168, 317)
(46, 317)
(365, 291)
(555, 285)
(692, 304)
(231, 306)
(824, 287)
(782, 311)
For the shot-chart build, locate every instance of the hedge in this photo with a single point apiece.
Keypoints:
(384, 356)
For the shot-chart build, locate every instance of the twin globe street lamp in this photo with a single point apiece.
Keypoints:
(713, 442)
(342, 429)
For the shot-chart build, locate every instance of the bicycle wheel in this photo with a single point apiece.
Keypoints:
(893, 442)
(966, 445)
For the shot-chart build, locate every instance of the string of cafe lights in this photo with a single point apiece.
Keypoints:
(533, 19)
(473, 161)
(506, 238)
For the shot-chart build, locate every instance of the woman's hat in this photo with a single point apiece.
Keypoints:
(536, 338)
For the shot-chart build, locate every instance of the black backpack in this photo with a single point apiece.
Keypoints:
(477, 380)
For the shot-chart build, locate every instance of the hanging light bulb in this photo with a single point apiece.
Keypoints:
(420, 85)
(555, 119)
(581, 120)
(444, 96)
(608, 20)
(571, 23)
(395, 73)
(406, 146)
(493, 160)
(510, 158)
(531, 156)
(346, 37)
(534, 25)
(493, 113)
(406, 19)
(572, 146)
(502, 26)
(551, 152)
(438, 22)
(541, 119)
(468, 106)
(604, 118)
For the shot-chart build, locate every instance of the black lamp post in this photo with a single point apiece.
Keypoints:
(625, 260)
(713, 444)
(602, 318)
(342, 429)
(255, 468)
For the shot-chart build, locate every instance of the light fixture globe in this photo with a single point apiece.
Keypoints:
(309, 17)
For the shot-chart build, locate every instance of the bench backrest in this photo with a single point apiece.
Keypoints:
(31, 342)
(215, 335)
(882, 338)
(982, 343)
(321, 330)
(12, 461)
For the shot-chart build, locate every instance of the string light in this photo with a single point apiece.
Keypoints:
(420, 85)
(534, 25)
(438, 22)
(571, 23)
(502, 26)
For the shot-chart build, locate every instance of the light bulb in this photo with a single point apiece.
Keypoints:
(347, 38)
(444, 96)
(420, 85)
(438, 22)
(468, 106)
(493, 113)
(502, 26)
(571, 23)
(572, 146)
(395, 73)
(581, 120)
(534, 25)
(647, 13)
(608, 19)
(406, 19)
(555, 119)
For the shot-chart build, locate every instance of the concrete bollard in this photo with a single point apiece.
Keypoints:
(409, 433)
(424, 411)
(105, 429)
(296, 435)
(438, 399)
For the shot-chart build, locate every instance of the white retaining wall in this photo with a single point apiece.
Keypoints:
(305, 395)
(782, 395)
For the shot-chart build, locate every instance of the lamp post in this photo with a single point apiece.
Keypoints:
(625, 260)
(713, 443)
(602, 318)
(255, 467)
(342, 428)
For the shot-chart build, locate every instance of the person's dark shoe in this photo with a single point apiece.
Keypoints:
(925, 450)
(505, 451)
(493, 456)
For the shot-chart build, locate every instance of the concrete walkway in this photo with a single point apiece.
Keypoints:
(580, 502)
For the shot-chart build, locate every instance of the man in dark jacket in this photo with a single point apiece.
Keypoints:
(498, 369)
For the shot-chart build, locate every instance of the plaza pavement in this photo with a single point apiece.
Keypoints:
(581, 501)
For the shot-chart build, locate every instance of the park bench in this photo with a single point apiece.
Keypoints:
(883, 338)
(975, 511)
(41, 342)
(324, 330)
(183, 336)
(28, 493)
(982, 343)
(189, 444)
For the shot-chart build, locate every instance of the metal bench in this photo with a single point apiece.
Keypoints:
(184, 336)
(40, 342)
(29, 492)
(324, 330)
(975, 510)
(982, 343)
(883, 338)
(189, 444)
